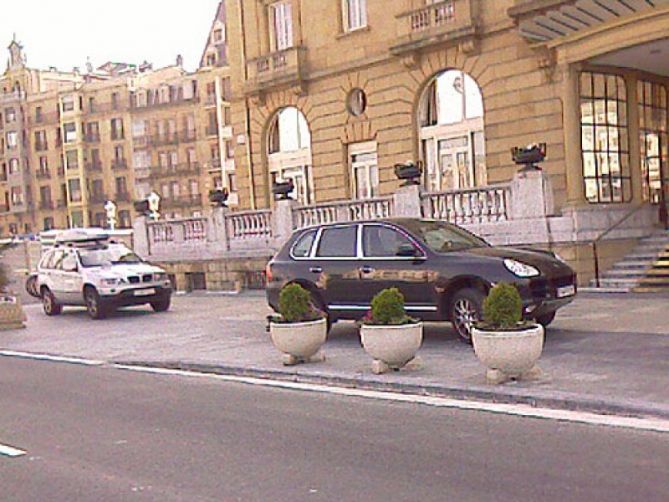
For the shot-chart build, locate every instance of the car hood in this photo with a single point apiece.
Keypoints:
(543, 261)
(124, 270)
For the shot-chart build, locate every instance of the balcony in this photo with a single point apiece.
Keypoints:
(117, 135)
(94, 166)
(210, 100)
(447, 21)
(212, 130)
(165, 139)
(174, 100)
(43, 174)
(119, 164)
(4, 208)
(98, 198)
(92, 138)
(282, 68)
(182, 201)
(188, 136)
(41, 146)
(44, 118)
(122, 197)
(47, 205)
(177, 170)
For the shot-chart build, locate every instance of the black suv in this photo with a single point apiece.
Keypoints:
(443, 271)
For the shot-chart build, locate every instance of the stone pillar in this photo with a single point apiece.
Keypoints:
(407, 203)
(282, 220)
(531, 195)
(634, 139)
(140, 236)
(217, 233)
(571, 122)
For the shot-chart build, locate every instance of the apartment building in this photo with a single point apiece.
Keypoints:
(73, 141)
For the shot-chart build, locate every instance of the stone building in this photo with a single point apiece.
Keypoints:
(332, 94)
(72, 141)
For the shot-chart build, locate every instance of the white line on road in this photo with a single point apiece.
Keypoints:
(8, 451)
(47, 357)
(645, 424)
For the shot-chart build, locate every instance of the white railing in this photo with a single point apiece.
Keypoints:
(161, 232)
(249, 225)
(437, 14)
(344, 211)
(195, 229)
(475, 205)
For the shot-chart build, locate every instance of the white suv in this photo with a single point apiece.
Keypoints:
(85, 268)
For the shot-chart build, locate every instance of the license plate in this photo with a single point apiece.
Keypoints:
(566, 291)
(145, 292)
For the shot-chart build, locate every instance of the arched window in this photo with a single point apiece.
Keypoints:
(451, 132)
(289, 152)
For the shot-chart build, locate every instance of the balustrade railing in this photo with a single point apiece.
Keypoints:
(368, 209)
(195, 229)
(160, 232)
(249, 225)
(475, 205)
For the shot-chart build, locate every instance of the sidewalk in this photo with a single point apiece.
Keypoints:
(606, 353)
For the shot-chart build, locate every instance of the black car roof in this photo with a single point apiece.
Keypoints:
(393, 221)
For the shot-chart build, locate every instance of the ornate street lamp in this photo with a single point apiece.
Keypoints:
(409, 172)
(110, 209)
(529, 156)
(282, 189)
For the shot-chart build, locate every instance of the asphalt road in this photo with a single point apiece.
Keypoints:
(106, 434)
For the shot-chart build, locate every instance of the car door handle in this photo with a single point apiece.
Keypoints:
(316, 270)
(366, 269)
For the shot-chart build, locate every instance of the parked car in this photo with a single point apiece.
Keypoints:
(86, 268)
(443, 271)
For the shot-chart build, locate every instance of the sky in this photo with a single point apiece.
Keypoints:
(64, 33)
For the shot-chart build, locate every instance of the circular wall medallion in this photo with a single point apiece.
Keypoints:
(356, 102)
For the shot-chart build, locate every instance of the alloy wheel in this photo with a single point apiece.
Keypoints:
(465, 317)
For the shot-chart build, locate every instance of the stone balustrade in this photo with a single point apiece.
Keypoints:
(475, 205)
(369, 209)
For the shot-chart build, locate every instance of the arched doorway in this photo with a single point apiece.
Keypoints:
(289, 152)
(452, 140)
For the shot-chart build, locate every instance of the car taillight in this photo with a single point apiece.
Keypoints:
(268, 272)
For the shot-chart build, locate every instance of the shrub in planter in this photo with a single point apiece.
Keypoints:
(12, 315)
(507, 345)
(388, 334)
(300, 329)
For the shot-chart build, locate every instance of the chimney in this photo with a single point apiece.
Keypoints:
(180, 61)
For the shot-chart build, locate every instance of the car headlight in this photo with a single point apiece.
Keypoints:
(112, 281)
(160, 277)
(520, 269)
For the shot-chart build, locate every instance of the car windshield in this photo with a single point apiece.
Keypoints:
(442, 237)
(113, 254)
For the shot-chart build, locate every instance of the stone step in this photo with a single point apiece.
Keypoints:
(594, 289)
(627, 283)
(646, 289)
(634, 264)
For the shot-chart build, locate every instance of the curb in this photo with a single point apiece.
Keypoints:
(529, 397)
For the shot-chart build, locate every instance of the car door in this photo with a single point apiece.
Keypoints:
(71, 278)
(392, 258)
(336, 262)
(55, 280)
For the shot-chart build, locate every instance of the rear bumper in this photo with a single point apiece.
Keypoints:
(129, 297)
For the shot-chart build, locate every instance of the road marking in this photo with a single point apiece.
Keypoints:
(47, 357)
(8, 451)
(637, 423)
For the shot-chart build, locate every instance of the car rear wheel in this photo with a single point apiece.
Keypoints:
(546, 319)
(49, 303)
(466, 309)
(320, 305)
(161, 305)
(96, 308)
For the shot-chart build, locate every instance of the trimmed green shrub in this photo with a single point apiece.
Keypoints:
(388, 308)
(295, 304)
(503, 308)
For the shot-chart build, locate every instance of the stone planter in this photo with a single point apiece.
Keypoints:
(509, 355)
(12, 315)
(391, 347)
(300, 342)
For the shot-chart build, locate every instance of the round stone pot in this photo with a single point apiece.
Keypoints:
(391, 347)
(12, 315)
(300, 342)
(513, 353)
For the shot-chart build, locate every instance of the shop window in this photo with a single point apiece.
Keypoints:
(604, 138)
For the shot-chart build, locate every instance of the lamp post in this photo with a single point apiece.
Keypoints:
(529, 156)
(154, 205)
(110, 209)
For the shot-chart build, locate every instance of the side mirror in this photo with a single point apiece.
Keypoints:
(409, 251)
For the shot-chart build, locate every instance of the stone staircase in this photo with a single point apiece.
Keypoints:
(646, 269)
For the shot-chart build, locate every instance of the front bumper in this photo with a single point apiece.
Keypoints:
(129, 297)
(541, 295)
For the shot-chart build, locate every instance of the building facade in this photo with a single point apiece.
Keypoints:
(73, 141)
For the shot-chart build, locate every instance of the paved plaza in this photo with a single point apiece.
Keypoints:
(604, 352)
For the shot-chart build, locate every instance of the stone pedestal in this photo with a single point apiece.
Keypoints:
(407, 202)
(531, 195)
(282, 221)
(140, 236)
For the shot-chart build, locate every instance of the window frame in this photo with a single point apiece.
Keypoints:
(312, 248)
(400, 231)
(363, 18)
(358, 243)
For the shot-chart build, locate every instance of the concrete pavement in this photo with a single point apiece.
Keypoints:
(606, 353)
(103, 434)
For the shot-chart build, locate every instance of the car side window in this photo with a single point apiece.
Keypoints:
(69, 263)
(302, 247)
(56, 261)
(44, 262)
(384, 242)
(338, 242)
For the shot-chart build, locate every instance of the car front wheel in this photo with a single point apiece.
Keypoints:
(546, 319)
(49, 303)
(96, 308)
(161, 305)
(466, 309)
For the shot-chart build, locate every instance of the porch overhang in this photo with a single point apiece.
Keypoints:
(550, 22)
